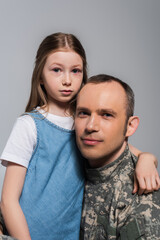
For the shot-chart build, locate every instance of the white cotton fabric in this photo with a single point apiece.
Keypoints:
(23, 138)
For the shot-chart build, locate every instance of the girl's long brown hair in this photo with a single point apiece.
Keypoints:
(52, 43)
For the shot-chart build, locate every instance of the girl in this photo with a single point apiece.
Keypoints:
(43, 186)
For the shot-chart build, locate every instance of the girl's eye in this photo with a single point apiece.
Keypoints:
(56, 70)
(76, 70)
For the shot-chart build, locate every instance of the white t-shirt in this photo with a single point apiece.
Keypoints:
(23, 138)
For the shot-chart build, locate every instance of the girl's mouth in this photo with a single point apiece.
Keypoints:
(66, 92)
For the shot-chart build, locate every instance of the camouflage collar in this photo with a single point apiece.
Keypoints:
(99, 175)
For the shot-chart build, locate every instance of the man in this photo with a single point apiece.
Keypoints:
(94, 132)
(104, 121)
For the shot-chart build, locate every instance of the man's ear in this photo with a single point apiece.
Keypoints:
(132, 125)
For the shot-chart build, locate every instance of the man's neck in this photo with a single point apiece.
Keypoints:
(97, 163)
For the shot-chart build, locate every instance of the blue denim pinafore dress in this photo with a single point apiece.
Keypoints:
(52, 195)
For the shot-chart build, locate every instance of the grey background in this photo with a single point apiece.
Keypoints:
(121, 38)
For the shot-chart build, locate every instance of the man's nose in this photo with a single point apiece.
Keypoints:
(67, 79)
(92, 124)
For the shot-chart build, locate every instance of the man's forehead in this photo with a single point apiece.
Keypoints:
(101, 93)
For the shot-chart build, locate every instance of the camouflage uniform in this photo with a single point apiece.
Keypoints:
(111, 211)
(3, 228)
(4, 237)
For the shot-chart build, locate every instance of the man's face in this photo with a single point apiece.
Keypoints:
(100, 122)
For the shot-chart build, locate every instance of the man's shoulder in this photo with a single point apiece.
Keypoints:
(123, 181)
(142, 211)
(125, 170)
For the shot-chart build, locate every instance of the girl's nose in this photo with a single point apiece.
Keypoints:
(67, 79)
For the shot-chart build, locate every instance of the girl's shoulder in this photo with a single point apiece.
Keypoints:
(21, 142)
(65, 122)
(25, 119)
(25, 123)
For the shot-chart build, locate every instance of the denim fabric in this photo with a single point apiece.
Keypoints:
(53, 190)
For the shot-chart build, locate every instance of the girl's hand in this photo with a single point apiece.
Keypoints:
(146, 178)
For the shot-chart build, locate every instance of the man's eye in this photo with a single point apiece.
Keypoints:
(82, 114)
(76, 70)
(107, 115)
(56, 69)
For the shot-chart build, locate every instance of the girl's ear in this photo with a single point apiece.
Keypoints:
(41, 80)
(132, 125)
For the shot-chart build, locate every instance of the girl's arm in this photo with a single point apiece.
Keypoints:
(146, 177)
(13, 215)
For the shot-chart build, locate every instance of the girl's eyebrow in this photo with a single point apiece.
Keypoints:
(55, 63)
(77, 65)
(59, 64)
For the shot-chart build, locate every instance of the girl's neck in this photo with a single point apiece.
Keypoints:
(62, 109)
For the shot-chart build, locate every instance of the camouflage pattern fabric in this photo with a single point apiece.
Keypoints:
(2, 225)
(3, 229)
(1, 221)
(111, 211)
(4, 237)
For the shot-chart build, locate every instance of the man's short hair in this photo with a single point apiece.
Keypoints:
(130, 101)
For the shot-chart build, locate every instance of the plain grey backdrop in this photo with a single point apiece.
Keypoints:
(121, 38)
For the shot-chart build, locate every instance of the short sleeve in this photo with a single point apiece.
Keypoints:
(21, 142)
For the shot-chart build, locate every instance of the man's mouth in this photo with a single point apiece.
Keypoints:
(91, 141)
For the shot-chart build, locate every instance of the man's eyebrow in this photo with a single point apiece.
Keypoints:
(82, 109)
(107, 110)
(99, 111)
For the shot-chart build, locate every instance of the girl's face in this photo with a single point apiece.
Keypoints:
(62, 76)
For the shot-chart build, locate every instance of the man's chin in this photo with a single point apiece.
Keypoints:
(90, 156)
